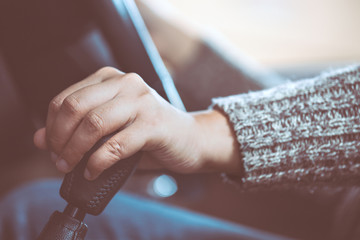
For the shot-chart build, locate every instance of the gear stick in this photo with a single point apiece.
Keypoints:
(86, 197)
(118, 19)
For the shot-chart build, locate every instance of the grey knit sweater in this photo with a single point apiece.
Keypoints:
(301, 132)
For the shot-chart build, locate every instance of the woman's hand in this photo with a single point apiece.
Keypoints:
(110, 101)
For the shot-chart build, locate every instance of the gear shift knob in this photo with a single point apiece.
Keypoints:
(93, 196)
(86, 197)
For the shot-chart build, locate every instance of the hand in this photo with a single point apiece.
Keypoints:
(110, 101)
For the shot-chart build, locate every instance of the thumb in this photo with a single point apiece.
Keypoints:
(40, 139)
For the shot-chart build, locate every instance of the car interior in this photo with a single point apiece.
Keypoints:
(46, 46)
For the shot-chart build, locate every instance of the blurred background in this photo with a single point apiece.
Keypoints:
(279, 33)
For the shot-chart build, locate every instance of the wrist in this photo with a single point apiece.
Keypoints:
(219, 149)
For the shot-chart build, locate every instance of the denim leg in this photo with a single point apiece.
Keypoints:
(25, 211)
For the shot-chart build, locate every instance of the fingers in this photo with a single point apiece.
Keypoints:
(56, 103)
(78, 117)
(123, 145)
(97, 123)
(75, 107)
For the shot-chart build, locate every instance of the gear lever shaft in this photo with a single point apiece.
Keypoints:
(86, 197)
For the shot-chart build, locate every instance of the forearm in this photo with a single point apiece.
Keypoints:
(305, 131)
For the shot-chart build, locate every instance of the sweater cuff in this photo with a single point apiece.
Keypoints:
(299, 132)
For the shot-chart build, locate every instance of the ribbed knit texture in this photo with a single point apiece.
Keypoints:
(301, 132)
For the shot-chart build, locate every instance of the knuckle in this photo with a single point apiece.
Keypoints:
(55, 104)
(133, 76)
(107, 70)
(115, 149)
(94, 122)
(72, 105)
(138, 83)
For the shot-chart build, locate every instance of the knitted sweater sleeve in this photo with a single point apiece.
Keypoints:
(301, 132)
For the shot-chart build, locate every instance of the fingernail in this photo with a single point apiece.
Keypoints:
(62, 165)
(53, 157)
(87, 174)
